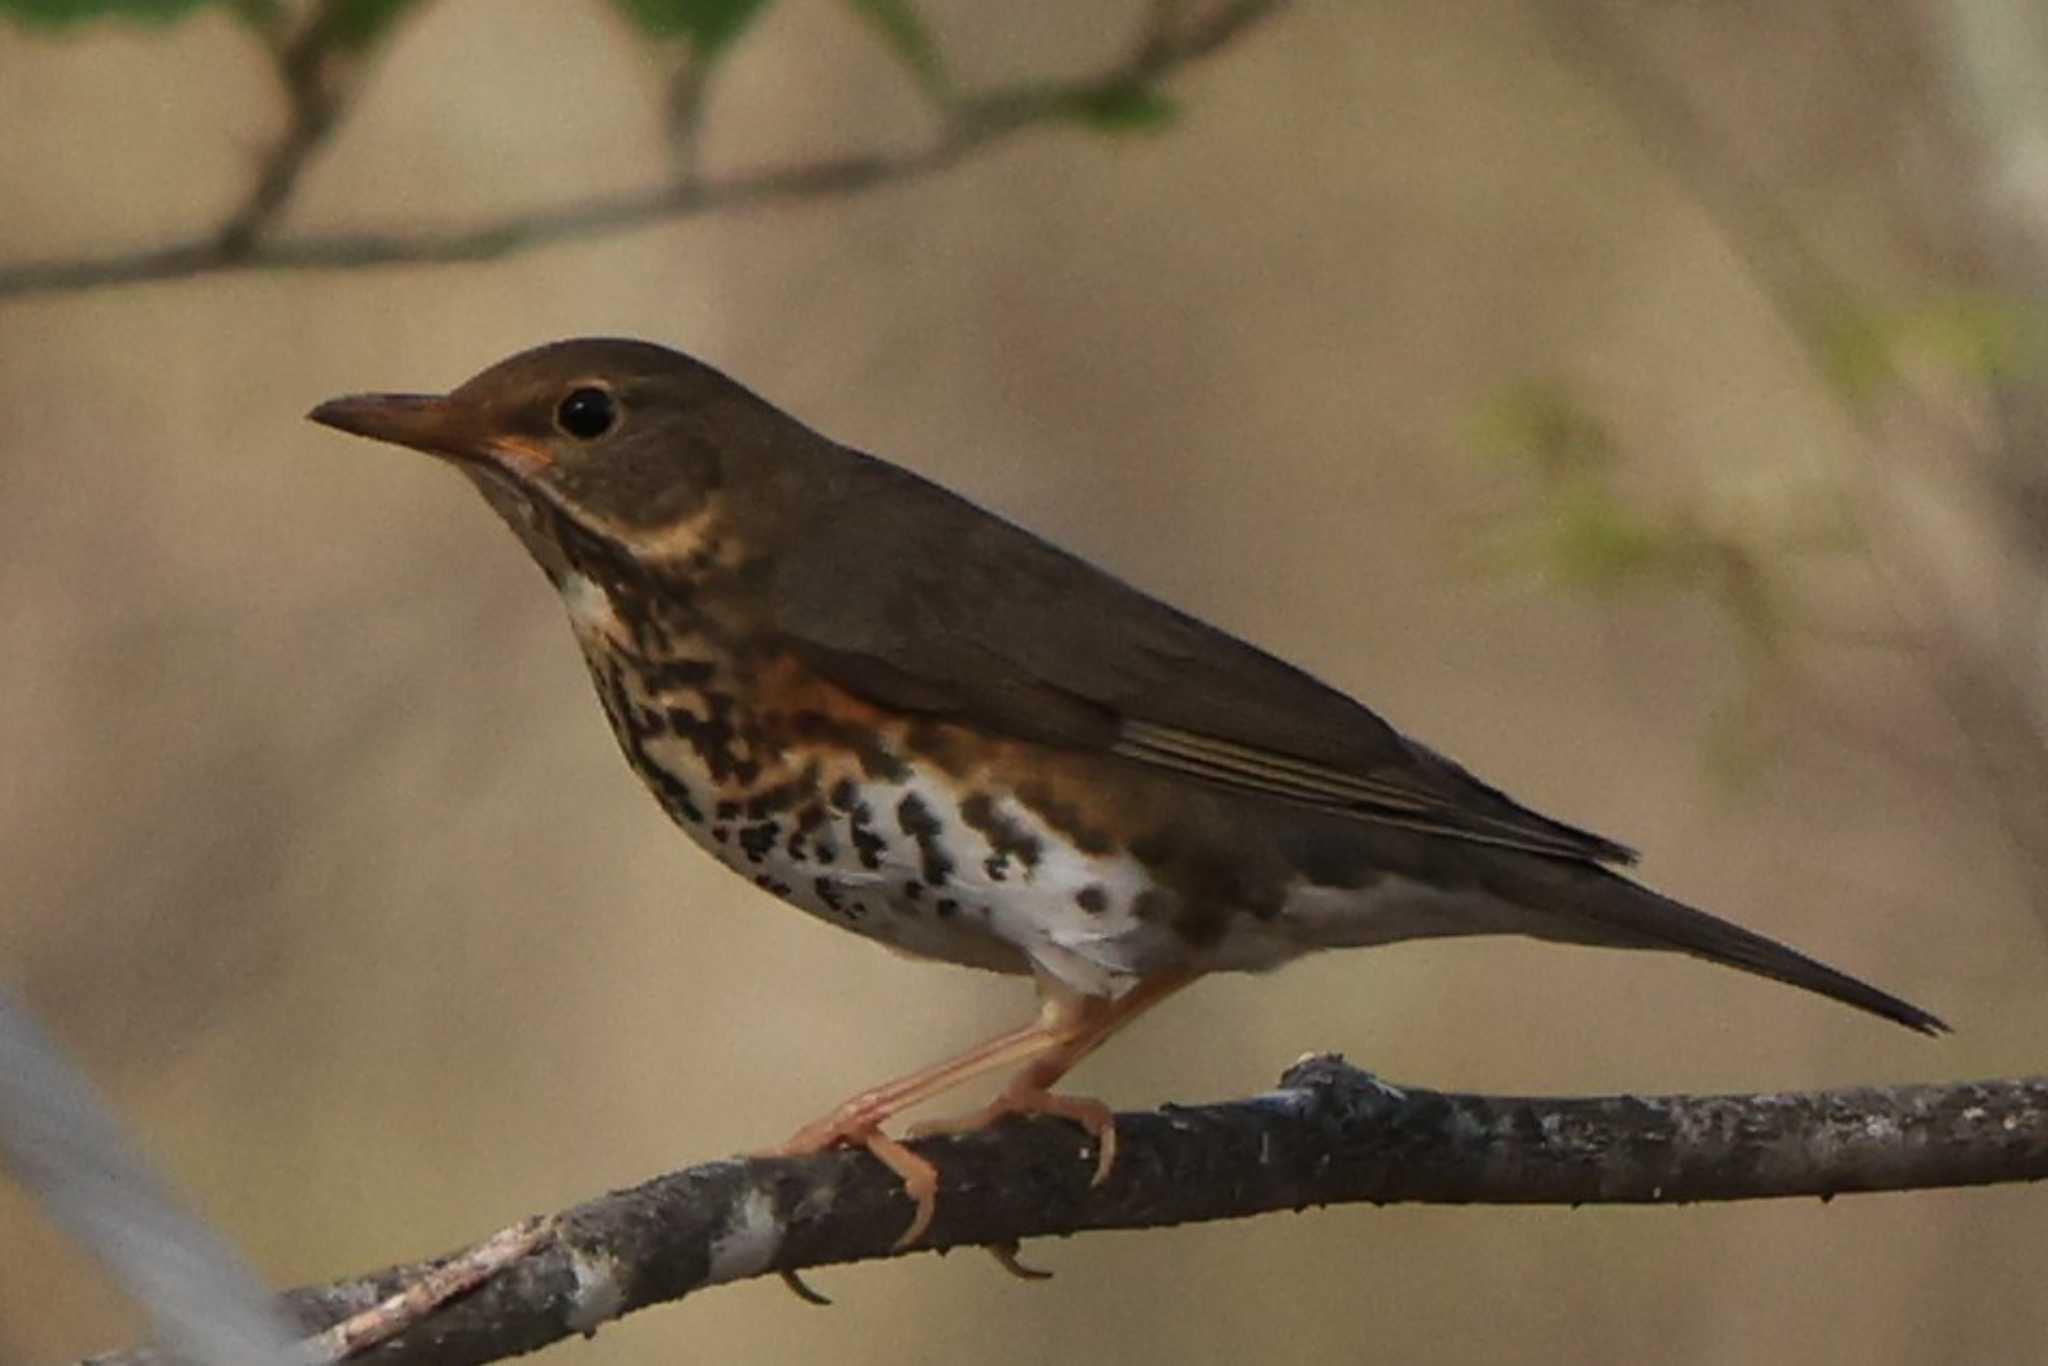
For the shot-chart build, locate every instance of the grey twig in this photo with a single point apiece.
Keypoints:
(972, 122)
(60, 1140)
(1331, 1134)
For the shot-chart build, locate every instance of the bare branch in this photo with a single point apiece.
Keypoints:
(973, 123)
(314, 75)
(1330, 1135)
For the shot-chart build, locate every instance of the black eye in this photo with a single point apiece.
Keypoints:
(587, 413)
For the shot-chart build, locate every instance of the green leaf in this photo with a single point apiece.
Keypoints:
(57, 13)
(1124, 107)
(903, 28)
(709, 26)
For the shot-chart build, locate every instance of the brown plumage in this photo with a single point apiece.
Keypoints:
(913, 718)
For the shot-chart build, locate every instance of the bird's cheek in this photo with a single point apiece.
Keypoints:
(520, 459)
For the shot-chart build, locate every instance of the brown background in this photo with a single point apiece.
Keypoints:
(315, 850)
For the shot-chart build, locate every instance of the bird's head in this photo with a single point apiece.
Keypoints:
(626, 442)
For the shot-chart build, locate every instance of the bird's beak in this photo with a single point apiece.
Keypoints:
(425, 422)
(433, 423)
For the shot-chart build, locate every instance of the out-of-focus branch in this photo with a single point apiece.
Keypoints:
(1983, 684)
(1331, 1134)
(971, 123)
(63, 1144)
(315, 73)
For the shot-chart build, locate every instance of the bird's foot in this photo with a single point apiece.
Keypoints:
(850, 1127)
(1022, 1098)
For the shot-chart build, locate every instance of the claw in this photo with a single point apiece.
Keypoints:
(801, 1288)
(920, 1182)
(1006, 1258)
(848, 1127)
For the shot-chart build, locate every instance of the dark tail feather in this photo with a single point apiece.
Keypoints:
(1617, 911)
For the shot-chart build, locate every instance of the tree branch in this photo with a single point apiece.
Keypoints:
(972, 123)
(1330, 1135)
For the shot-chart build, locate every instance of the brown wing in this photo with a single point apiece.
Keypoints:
(917, 600)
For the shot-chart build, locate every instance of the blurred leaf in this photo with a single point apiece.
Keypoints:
(1595, 542)
(56, 13)
(708, 25)
(353, 25)
(1125, 107)
(903, 28)
(1541, 422)
(1577, 528)
(1972, 334)
(1975, 336)
(1856, 352)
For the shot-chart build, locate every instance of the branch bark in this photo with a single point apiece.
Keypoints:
(1330, 1135)
(971, 123)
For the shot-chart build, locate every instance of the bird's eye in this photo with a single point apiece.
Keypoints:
(586, 413)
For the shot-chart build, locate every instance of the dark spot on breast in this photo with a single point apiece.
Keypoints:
(669, 675)
(728, 811)
(877, 761)
(844, 796)
(868, 845)
(808, 822)
(1094, 898)
(1007, 838)
(912, 890)
(915, 817)
(759, 838)
(946, 907)
(828, 892)
(720, 833)
(632, 722)
(772, 884)
(774, 800)
(672, 792)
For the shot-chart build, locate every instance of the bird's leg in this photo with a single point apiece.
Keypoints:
(857, 1117)
(1069, 1027)
(858, 1122)
(1091, 1021)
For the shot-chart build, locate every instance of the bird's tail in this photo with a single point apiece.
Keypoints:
(1591, 905)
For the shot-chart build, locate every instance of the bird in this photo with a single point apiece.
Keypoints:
(916, 720)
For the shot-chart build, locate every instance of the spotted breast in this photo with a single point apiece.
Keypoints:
(898, 831)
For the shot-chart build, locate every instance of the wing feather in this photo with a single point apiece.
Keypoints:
(916, 599)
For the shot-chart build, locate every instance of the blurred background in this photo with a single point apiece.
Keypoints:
(1641, 403)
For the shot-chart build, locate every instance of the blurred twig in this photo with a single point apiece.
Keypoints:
(1330, 1135)
(970, 123)
(314, 71)
(63, 1144)
(1984, 686)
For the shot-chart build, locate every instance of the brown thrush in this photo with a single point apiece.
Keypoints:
(916, 721)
